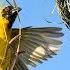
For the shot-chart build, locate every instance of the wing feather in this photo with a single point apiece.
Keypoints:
(38, 43)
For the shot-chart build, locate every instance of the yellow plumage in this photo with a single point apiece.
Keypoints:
(4, 40)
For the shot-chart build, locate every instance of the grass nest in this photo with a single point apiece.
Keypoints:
(64, 10)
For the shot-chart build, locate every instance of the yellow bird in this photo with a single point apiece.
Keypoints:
(36, 44)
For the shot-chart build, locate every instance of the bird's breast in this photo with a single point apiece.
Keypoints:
(4, 37)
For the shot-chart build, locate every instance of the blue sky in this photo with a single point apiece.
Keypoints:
(34, 13)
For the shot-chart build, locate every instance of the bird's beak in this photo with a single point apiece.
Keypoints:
(19, 9)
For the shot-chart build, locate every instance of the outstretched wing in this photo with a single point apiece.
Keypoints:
(37, 44)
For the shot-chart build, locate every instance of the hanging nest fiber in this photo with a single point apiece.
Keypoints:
(64, 10)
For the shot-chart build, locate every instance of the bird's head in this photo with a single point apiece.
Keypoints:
(10, 13)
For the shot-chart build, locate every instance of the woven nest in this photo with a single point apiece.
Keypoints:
(64, 10)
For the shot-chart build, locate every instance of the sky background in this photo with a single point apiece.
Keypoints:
(35, 13)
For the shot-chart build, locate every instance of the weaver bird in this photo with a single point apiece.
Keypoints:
(36, 44)
(64, 10)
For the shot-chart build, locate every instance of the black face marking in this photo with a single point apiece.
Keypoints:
(7, 11)
(10, 14)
